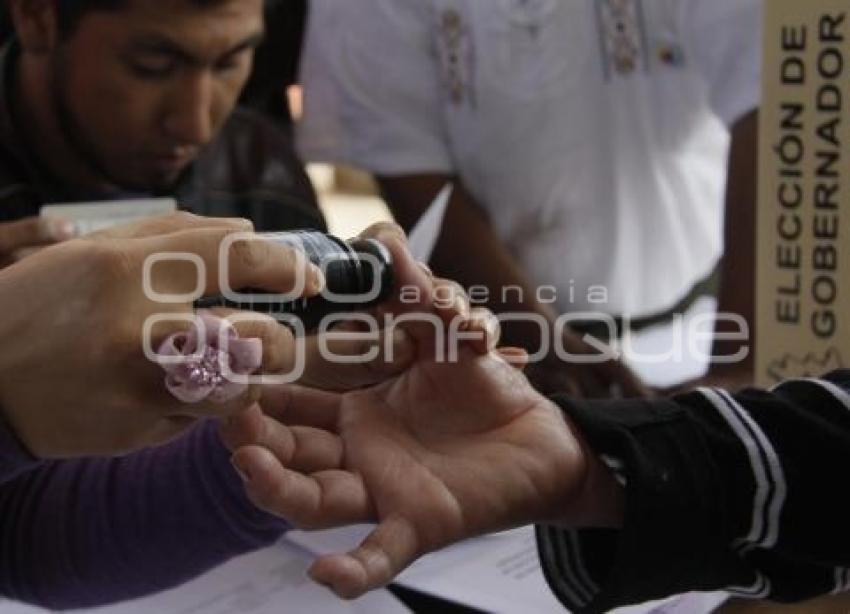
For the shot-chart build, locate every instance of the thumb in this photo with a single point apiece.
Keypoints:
(384, 554)
(34, 231)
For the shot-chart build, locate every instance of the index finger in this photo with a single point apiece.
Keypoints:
(408, 273)
(169, 223)
(297, 405)
(383, 231)
(390, 548)
(233, 261)
(33, 231)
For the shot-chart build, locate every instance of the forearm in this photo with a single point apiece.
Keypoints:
(469, 252)
(736, 297)
(721, 493)
(90, 532)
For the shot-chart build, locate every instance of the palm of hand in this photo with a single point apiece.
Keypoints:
(455, 450)
(442, 453)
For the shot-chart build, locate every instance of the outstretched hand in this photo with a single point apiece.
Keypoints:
(444, 452)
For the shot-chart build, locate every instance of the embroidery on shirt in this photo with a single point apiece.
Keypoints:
(622, 36)
(457, 57)
(531, 14)
(667, 36)
(671, 54)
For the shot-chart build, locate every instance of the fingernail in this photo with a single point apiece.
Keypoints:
(462, 307)
(428, 271)
(243, 473)
(63, 229)
(512, 355)
(512, 352)
(317, 281)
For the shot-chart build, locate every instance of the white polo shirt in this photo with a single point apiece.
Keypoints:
(594, 132)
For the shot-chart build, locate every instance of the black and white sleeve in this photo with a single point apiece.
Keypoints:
(736, 492)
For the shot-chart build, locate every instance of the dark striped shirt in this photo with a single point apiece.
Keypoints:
(736, 492)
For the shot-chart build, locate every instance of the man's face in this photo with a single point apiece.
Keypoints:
(140, 90)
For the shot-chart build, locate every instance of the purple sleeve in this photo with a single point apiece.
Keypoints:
(83, 533)
(15, 459)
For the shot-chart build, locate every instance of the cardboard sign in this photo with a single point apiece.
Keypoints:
(803, 305)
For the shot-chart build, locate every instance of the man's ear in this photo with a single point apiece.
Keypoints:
(36, 24)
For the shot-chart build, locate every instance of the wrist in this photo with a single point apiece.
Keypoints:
(600, 501)
(577, 489)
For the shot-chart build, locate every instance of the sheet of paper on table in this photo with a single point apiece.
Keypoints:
(10, 607)
(423, 237)
(270, 581)
(498, 573)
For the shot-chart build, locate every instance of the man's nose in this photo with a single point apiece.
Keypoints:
(189, 118)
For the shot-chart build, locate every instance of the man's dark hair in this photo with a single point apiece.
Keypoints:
(70, 11)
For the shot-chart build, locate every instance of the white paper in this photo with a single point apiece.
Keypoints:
(497, 573)
(271, 581)
(95, 216)
(10, 607)
(423, 237)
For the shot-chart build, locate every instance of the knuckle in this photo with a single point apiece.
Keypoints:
(458, 291)
(273, 357)
(110, 262)
(252, 395)
(243, 223)
(286, 256)
(277, 343)
(382, 229)
(286, 444)
(16, 234)
(265, 497)
(185, 218)
(249, 254)
(38, 228)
